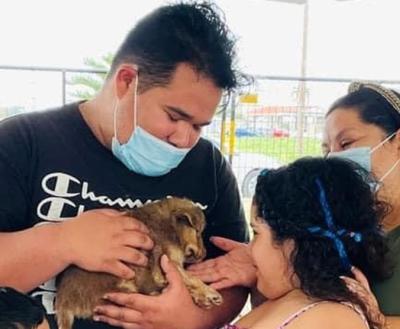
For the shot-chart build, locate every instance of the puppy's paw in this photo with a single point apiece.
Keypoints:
(206, 297)
(127, 285)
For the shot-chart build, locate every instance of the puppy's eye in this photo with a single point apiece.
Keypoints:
(184, 219)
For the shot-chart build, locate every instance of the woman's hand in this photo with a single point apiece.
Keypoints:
(361, 288)
(235, 268)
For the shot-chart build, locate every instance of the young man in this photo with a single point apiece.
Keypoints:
(137, 141)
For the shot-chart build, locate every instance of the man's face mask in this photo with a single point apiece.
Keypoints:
(144, 153)
(362, 156)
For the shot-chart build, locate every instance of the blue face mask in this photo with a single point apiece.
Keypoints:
(144, 153)
(362, 156)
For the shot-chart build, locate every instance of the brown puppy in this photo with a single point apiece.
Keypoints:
(175, 226)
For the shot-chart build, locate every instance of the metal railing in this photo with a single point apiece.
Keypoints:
(282, 121)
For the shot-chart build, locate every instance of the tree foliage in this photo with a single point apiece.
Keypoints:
(84, 86)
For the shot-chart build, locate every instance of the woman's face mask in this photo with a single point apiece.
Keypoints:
(362, 156)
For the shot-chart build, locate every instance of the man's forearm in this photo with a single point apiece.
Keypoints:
(234, 300)
(30, 257)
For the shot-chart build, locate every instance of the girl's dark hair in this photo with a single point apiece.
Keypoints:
(288, 200)
(19, 311)
(371, 107)
(194, 33)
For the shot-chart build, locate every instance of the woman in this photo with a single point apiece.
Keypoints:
(364, 126)
(312, 221)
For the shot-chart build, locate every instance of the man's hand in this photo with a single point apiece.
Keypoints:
(104, 240)
(173, 309)
(232, 269)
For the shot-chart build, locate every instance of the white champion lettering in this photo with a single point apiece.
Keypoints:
(62, 182)
(47, 295)
(56, 206)
(107, 201)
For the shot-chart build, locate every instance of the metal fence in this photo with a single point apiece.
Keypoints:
(277, 120)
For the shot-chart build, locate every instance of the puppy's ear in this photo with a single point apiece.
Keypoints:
(185, 218)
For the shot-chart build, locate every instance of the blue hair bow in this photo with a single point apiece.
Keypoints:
(332, 232)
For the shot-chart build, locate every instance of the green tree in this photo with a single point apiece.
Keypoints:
(85, 85)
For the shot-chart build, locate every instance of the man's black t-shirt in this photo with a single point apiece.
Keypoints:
(52, 167)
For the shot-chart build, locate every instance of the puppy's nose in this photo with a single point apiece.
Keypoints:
(192, 252)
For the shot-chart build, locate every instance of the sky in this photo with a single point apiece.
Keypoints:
(346, 39)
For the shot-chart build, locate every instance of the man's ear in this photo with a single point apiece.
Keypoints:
(125, 79)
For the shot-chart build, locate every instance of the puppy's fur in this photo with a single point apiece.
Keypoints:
(175, 226)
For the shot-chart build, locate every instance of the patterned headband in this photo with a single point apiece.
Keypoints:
(386, 93)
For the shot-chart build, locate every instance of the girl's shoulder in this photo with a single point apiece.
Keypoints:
(328, 315)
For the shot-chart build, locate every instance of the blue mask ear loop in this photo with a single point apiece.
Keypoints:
(383, 142)
(115, 119)
(380, 180)
(135, 101)
(116, 105)
(332, 233)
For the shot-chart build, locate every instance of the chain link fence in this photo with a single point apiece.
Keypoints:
(278, 120)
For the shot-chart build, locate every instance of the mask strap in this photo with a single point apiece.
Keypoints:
(383, 142)
(135, 101)
(115, 119)
(116, 107)
(389, 171)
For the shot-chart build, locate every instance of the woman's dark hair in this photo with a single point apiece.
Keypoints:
(194, 33)
(371, 107)
(288, 199)
(19, 311)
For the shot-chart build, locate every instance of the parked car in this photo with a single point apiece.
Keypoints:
(277, 132)
(244, 132)
(246, 166)
(263, 131)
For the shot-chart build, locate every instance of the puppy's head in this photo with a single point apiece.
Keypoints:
(190, 223)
